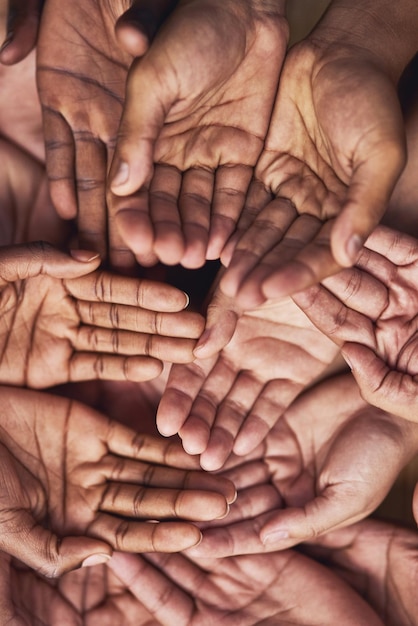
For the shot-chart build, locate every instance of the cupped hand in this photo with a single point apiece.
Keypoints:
(332, 459)
(77, 484)
(229, 401)
(274, 590)
(334, 151)
(82, 70)
(63, 322)
(197, 105)
(92, 597)
(371, 311)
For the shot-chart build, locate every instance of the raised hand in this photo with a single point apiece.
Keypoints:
(378, 559)
(198, 105)
(82, 72)
(229, 401)
(76, 484)
(371, 311)
(63, 322)
(332, 459)
(332, 156)
(274, 590)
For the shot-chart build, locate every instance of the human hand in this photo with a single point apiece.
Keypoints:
(63, 322)
(82, 70)
(214, 68)
(22, 30)
(332, 459)
(274, 590)
(371, 311)
(333, 153)
(378, 559)
(230, 400)
(76, 484)
(93, 597)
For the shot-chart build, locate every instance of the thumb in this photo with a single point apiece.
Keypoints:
(221, 320)
(28, 260)
(391, 391)
(148, 99)
(135, 29)
(45, 552)
(22, 30)
(368, 196)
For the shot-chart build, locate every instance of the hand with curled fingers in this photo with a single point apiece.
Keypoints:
(371, 311)
(92, 596)
(229, 400)
(332, 459)
(333, 153)
(61, 321)
(82, 66)
(271, 589)
(378, 559)
(77, 485)
(197, 106)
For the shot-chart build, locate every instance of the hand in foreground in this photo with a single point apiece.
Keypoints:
(332, 459)
(371, 311)
(76, 484)
(198, 105)
(82, 73)
(333, 153)
(379, 560)
(230, 401)
(274, 590)
(62, 322)
(94, 597)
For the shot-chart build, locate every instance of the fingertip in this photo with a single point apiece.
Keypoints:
(85, 256)
(132, 37)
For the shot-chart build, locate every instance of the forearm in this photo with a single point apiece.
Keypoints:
(385, 30)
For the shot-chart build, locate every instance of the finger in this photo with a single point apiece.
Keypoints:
(267, 230)
(135, 29)
(168, 349)
(46, 553)
(22, 30)
(398, 248)
(28, 260)
(120, 317)
(195, 209)
(127, 536)
(125, 470)
(157, 504)
(142, 120)
(183, 385)
(153, 589)
(369, 193)
(86, 366)
(415, 503)
(221, 320)
(147, 294)
(231, 185)
(389, 390)
(359, 291)
(163, 197)
(90, 167)
(60, 159)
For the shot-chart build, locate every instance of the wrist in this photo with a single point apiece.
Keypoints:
(383, 32)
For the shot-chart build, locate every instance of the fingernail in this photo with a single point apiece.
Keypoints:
(275, 537)
(95, 559)
(224, 514)
(204, 339)
(187, 300)
(121, 175)
(353, 248)
(347, 360)
(84, 256)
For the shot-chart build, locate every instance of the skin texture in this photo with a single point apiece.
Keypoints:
(228, 402)
(214, 67)
(77, 484)
(331, 458)
(63, 323)
(241, 591)
(371, 311)
(333, 153)
(379, 560)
